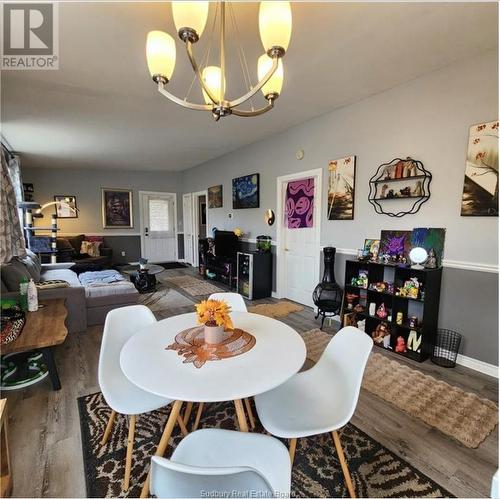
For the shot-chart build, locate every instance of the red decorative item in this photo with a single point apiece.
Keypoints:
(400, 345)
(382, 311)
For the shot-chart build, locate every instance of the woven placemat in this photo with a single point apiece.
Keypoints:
(190, 344)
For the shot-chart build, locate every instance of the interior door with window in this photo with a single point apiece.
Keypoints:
(158, 238)
(187, 215)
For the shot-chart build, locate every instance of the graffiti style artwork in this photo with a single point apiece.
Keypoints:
(300, 203)
(395, 242)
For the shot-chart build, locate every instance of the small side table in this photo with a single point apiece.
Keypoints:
(144, 279)
(44, 329)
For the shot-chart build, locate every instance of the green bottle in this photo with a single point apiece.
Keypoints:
(23, 294)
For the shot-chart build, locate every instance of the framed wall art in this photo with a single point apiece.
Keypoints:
(246, 192)
(300, 204)
(117, 209)
(480, 194)
(66, 206)
(341, 180)
(215, 196)
(395, 243)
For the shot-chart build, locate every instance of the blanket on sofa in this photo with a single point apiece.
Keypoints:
(101, 278)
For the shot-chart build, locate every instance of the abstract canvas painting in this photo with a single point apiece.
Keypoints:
(429, 238)
(117, 209)
(215, 196)
(341, 188)
(395, 242)
(300, 203)
(246, 192)
(480, 194)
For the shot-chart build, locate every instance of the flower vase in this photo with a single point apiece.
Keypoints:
(213, 334)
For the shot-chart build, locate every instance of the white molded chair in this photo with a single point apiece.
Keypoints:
(322, 399)
(234, 300)
(120, 394)
(226, 463)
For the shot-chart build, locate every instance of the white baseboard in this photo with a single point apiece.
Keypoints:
(477, 365)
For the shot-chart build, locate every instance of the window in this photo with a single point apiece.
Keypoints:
(159, 215)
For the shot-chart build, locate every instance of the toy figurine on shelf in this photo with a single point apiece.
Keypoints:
(431, 262)
(363, 279)
(382, 311)
(381, 287)
(410, 288)
(362, 324)
(354, 281)
(350, 297)
(383, 192)
(359, 308)
(400, 345)
(405, 192)
(380, 332)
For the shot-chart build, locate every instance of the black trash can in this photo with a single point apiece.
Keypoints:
(446, 348)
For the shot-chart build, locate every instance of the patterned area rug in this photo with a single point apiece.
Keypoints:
(193, 286)
(273, 310)
(453, 411)
(376, 472)
(163, 298)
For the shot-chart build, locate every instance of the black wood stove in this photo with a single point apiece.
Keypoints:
(327, 295)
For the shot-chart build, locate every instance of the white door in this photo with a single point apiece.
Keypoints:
(187, 215)
(158, 231)
(299, 249)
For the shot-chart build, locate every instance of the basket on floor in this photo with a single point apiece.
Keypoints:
(446, 348)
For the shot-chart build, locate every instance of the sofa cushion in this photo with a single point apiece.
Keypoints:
(13, 273)
(35, 259)
(76, 242)
(61, 274)
(91, 248)
(32, 267)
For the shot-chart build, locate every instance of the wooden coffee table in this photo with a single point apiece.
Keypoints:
(44, 329)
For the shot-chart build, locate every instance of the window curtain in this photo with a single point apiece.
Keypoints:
(11, 234)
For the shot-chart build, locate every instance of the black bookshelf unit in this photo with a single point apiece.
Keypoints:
(425, 307)
(254, 274)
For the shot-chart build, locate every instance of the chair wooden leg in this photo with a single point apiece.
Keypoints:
(291, 450)
(109, 427)
(248, 407)
(198, 416)
(187, 412)
(130, 448)
(343, 464)
(162, 446)
(240, 413)
(182, 426)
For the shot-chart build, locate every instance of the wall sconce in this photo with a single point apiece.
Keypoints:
(269, 217)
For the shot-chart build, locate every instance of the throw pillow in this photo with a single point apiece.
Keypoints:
(76, 242)
(91, 248)
(52, 283)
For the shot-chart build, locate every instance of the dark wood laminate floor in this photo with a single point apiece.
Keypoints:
(45, 429)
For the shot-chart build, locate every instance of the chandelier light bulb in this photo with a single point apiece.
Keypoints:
(275, 83)
(190, 15)
(160, 50)
(275, 24)
(212, 77)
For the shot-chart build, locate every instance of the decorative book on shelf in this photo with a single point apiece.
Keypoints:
(397, 306)
(403, 180)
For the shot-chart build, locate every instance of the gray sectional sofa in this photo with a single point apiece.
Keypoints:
(86, 306)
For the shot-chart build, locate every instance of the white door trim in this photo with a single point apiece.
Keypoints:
(141, 217)
(317, 174)
(195, 196)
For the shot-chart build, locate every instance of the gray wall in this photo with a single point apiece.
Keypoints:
(428, 119)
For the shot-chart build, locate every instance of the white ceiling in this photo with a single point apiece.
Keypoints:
(101, 110)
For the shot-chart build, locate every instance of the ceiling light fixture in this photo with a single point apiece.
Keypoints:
(275, 26)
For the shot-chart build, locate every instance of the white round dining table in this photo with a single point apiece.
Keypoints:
(279, 352)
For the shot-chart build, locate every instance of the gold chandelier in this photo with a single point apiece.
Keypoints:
(275, 26)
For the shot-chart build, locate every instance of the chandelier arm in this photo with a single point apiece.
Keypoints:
(183, 103)
(256, 112)
(196, 69)
(259, 85)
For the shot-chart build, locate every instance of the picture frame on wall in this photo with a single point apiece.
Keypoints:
(66, 206)
(246, 192)
(215, 196)
(341, 188)
(117, 209)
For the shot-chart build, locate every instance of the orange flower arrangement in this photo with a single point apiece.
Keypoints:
(214, 313)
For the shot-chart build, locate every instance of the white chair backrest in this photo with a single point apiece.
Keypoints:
(234, 300)
(171, 479)
(344, 360)
(120, 325)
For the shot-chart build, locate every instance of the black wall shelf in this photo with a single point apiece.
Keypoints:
(425, 308)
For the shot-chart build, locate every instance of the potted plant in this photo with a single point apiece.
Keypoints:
(214, 315)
